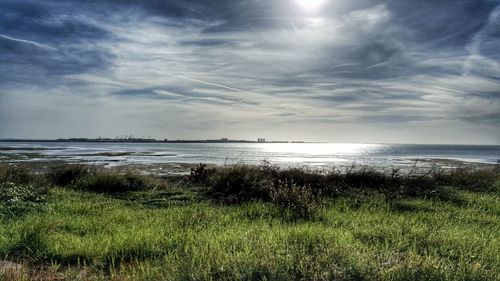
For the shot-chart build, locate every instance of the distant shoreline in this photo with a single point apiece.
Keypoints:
(109, 140)
(106, 140)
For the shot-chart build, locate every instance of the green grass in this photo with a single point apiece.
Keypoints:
(371, 239)
(177, 232)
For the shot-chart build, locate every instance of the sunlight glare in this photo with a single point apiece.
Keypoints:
(310, 4)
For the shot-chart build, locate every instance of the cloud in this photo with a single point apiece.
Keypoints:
(40, 42)
(36, 44)
(244, 67)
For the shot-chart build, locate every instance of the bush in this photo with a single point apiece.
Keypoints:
(200, 174)
(496, 186)
(17, 173)
(296, 202)
(445, 193)
(366, 177)
(239, 183)
(316, 181)
(468, 178)
(112, 183)
(68, 174)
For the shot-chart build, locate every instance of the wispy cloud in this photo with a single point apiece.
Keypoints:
(211, 84)
(350, 71)
(33, 43)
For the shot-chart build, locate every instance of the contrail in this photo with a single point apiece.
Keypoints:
(213, 84)
(39, 45)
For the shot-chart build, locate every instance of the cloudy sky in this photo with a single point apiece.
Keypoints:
(406, 71)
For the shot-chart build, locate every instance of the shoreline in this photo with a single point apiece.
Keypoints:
(215, 141)
(173, 160)
(182, 169)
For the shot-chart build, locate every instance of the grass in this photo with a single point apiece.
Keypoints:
(182, 229)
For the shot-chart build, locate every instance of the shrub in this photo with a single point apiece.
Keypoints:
(468, 178)
(200, 174)
(315, 180)
(245, 183)
(239, 183)
(68, 174)
(112, 183)
(17, 173)
(496, 186)
(296, 202)
(445, 193)
(366, 177)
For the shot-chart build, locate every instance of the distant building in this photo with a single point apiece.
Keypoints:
(261, 140)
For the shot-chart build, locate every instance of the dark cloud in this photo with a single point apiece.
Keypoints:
(47, 21)
(492, 118)
(447, 22)
(398, 119)
(40, 41)
(373, 60)
(206, 42)
(177, 9)
(137, 93)
(37, 62)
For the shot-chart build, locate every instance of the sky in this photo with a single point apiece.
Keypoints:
(367, 71)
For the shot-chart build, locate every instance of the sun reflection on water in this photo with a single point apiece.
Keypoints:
(320, 148)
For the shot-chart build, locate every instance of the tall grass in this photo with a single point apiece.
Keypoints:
(65, 175)
(18, 173)
(238, 183)
(365, 240)
(112, 183)
(268, 223)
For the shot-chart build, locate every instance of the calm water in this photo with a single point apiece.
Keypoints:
(312, 154)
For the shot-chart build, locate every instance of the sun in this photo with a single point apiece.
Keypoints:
(311, 5)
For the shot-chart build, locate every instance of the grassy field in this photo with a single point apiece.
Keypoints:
(250, 223)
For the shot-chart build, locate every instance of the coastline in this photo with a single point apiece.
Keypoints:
(178, 158)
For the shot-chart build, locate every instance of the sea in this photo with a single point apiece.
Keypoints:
(314, 155)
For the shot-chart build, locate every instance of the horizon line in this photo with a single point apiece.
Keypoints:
(220, 140)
